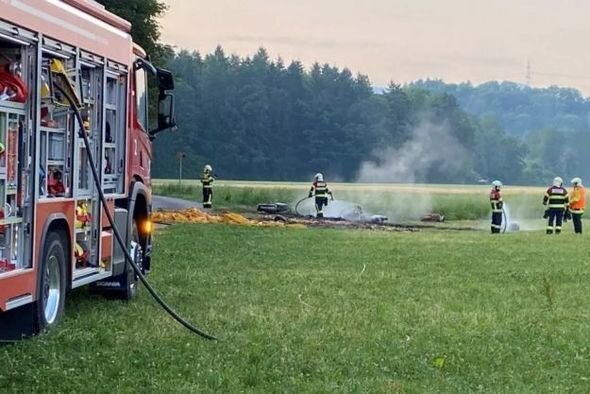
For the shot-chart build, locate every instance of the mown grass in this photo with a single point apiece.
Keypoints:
(406, 202)
(325, 310)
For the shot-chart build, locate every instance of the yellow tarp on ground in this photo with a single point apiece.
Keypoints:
(194, 215)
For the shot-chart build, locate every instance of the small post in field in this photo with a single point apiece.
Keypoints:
(180, 155)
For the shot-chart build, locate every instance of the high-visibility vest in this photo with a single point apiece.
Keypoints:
(207, 180)
(556, 198)
(578, 200)
(320, 188)
(496, 200)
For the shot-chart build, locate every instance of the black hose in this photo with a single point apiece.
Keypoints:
(122, 244)
(299, 203)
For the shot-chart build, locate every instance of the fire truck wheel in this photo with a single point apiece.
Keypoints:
(52, 283)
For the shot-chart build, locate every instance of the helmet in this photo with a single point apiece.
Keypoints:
(557, 181)
(576, 181)
(208, 168)
(497, 183)
(319, 177)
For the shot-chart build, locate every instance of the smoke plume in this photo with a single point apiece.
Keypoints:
(429, 145)
(430, 151)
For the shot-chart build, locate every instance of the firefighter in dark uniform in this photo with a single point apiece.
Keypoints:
(207, 181)
(319, 188)
(556, 201)
(497, 205)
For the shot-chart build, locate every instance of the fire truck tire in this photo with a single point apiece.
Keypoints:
(132, 282)
(128, 279)
(49, 307)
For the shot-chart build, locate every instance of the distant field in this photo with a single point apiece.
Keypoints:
(373, 187)
(400, 202)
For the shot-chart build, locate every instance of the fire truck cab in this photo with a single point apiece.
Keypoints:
(57, 55)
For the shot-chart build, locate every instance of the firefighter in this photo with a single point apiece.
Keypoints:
(577, 204)
(497, 205)
(556, 201)
(207, 181)
(319, 188)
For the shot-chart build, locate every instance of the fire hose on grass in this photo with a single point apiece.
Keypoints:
(118, 237)
(299, 203)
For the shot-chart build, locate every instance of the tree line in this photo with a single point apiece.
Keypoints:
(258, 118)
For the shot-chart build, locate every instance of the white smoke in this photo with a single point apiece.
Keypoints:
(335, 209)
(517, 218)
(428, 145)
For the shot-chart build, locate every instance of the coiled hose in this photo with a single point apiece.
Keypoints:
(118, 237)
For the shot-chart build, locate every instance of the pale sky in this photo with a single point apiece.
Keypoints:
(400, 40)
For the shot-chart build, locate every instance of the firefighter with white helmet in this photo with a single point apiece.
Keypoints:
(497, 206)
(556, 200)
(207, 180)
(577, 204)
(319, 188)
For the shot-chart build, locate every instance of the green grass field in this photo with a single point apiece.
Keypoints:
(316, 310)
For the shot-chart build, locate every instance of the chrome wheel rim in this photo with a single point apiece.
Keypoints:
(51, 290)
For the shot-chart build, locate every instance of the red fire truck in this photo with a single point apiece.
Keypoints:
(54, 234)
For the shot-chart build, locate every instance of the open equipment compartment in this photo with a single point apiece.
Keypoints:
(14, 153)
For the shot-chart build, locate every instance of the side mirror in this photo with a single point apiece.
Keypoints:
(166, 115)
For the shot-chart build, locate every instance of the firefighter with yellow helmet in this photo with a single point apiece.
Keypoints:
(577, 203)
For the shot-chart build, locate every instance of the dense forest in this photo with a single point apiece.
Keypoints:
(259, 118)
(255, 118)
